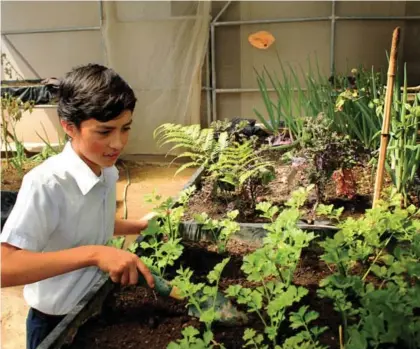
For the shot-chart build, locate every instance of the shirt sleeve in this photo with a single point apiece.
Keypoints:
(34, 216)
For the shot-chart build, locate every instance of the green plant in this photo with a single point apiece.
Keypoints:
(161, 244)
(403, 157)
(9, 70)
(196, 295)
(296, 97)
(272, 268)
(241, 168)
(373, 310)
(48, 149)
(356, 108)
(12, 109)
(325, 151)
(191, 340)
(221, 230)
(116, 241)
(19, 159)
(233, 165)
(198, 144)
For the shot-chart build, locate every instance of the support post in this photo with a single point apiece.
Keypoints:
(387, 116)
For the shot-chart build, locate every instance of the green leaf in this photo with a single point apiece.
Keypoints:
(208, 337)
(356, 340)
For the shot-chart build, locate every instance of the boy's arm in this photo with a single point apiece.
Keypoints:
(132, 226)
(21, 267)
(129, 226)
(27, 230)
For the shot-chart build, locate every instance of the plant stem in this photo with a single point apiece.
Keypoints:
(377, 257)
(4, 126)
(267, 294)
(166, 264)
(168, 216)
(261, 317)
(307, 329)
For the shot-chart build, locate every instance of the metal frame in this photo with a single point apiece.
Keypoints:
(4, 35)
(211, 78)
(211, 87)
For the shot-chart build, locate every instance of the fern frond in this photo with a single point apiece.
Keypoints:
(185, 166)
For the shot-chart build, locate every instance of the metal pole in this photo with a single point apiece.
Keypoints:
(332, 43)
(208, 87)
(21, 56)
(213, 73)
(251, 90)
(101, 23)
(274, 20)
(241, 90)
(221, 12)
(313, 19)
(213, 60)
(48, 31)
(379, 18)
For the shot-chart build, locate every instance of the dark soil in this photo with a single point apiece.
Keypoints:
(135, 317)
(278, 192)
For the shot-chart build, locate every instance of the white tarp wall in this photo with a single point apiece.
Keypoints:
(157, 46)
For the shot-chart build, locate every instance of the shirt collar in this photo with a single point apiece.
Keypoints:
(85, 178)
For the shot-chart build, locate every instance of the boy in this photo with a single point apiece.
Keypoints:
(53, 241)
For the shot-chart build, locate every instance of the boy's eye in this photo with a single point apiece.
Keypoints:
(104, 132)
(126, 128)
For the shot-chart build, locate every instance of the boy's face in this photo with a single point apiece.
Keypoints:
(100, 143)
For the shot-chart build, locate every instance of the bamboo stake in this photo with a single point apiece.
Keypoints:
(340, 335)
(387, 116)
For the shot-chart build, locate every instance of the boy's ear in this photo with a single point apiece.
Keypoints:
(69, 128)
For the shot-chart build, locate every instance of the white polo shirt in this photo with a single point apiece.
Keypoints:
(62, 204)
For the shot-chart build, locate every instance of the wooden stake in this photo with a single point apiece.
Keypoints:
(387, 116)
(340, 336)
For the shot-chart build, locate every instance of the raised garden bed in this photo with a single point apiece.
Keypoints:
(134, 317)
(111, 316)
(251, 231)
(8, 199)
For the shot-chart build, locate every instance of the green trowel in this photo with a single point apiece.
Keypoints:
(229, 315)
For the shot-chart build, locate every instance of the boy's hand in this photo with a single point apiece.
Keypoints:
(122, 266)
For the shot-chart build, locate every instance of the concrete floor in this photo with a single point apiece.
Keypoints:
(143, 180)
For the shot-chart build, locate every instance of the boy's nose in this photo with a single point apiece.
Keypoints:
(116, 143)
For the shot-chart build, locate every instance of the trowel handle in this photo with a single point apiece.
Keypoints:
(162, 286)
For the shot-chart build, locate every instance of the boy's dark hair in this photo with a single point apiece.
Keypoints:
(93, 91)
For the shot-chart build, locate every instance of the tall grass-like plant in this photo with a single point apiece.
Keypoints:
(294, 100)
(356, 108)
(49, 149)
(403, 158)
(350, 106)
